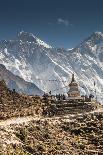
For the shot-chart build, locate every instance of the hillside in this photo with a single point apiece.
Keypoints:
(32, 125)
(13, 104)
(68, 135)
(17, 83)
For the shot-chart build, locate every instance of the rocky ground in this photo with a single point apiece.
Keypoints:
(80, 134)
(35, 126)
(13, 104)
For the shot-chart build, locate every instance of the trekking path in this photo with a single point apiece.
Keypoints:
(7, 134)
(27, 119)
(18, 120)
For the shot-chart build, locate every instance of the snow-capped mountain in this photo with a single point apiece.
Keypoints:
(17, 83)
(27, 58)
(50, 68)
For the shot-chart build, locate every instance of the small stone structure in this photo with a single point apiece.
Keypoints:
(74, 93)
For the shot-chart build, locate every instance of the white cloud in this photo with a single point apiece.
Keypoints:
(63, 21)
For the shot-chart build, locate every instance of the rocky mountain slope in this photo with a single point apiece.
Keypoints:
(53, 136)
(13, 104)
(17, 83)
(50, 68)
(25, 130)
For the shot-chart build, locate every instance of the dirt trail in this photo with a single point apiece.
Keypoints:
(7, 135)
(27, 119)
(18, 120)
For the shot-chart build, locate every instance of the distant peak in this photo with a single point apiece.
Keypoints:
(94, 39)
(97, 34)
(25, 36)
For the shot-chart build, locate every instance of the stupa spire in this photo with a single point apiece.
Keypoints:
(73, 79)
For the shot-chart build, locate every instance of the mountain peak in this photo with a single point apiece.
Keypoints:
(23, 33)
(94, 39)
(97, 34)
(25, 36)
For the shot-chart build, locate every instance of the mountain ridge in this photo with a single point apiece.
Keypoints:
(38, 64)
(17, 83)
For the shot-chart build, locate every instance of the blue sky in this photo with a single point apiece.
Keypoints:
(61, 23)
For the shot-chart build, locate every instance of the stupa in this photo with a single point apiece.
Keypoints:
(74, 93)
